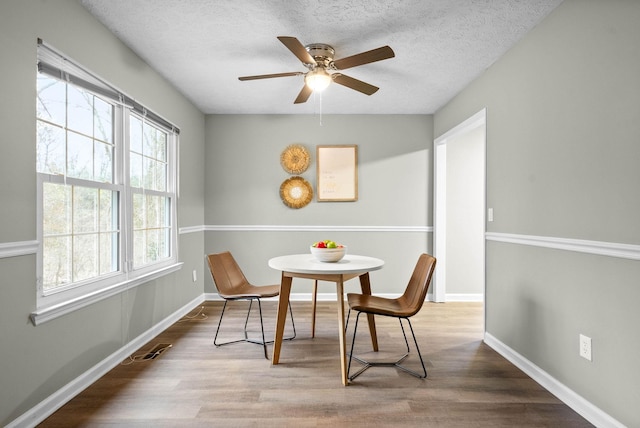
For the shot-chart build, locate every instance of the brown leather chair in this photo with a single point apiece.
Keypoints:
(232, 285)
(402, 308)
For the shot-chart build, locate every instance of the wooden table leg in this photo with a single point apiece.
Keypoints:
(283, 306)
(343, 346)
(365, 285)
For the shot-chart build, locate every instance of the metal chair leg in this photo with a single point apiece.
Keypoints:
(415, 341)
(293, 324)
(218, 329)
(368, 364)
(264, 342)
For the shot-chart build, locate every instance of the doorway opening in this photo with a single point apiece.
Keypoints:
(459, 211)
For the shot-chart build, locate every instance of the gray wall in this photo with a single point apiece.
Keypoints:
(244, 175)
(562, 156)
(37, 361)
(563, 149)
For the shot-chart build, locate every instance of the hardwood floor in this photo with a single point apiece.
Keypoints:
(194, 383)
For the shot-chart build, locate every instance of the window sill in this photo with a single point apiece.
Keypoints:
(43, 315)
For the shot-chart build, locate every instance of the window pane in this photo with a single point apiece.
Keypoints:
(160, 176)
(85, 257)
(103, 168)
(108, 253)
(108, 211)
(149, 139)
(50, 149)
(135, 134)
(155, 142)
(138, 211)
(153, 245)
(80, 156)
(57, 263)
(80, 110)
(152, 229)
(51, 100)
(135, 166)
(56, 209)
(157, 245)
(85, 209)
(163, 240)
(154, 175)
(156, 211)
(139, 245)
(103, 120)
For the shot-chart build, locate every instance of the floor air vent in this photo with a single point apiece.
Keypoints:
(155, 352)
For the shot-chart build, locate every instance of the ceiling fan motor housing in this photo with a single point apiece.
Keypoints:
(322, 53)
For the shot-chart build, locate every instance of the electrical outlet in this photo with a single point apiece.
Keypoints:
(194, 275)
(585, 347)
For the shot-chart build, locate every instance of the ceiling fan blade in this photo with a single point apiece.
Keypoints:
(355, 84)
(297, 49)
(304, 95)
(269, 76)
(374, 55)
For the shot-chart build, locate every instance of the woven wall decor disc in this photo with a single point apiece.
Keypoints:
(295, 159)
(296, 192)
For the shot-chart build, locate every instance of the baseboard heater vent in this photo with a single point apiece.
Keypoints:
(156, 351)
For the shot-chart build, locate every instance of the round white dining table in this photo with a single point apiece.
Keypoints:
(308, 267)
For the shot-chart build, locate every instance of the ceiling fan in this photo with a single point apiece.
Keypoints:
(323, 69)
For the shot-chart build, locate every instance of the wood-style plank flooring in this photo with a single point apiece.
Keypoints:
(195, 384)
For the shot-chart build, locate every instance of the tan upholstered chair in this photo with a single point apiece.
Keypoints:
(232, 285)
(402, 308)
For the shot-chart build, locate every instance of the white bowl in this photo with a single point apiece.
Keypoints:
(329, 255)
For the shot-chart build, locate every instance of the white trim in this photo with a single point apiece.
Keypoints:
(47, 314)
(440, 199)
(611, 249)
(440, 220)
(295, 228)
(21, 248)
(583, 407)
(313, 228)
(464, 297)
(469, 124)
(190, 229)
(49, 405)
(296, 297)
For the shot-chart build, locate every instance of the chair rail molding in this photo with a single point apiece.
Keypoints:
(611, 249)
(313, 228)
(14, 249)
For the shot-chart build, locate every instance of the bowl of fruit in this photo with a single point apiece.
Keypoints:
(328, 251)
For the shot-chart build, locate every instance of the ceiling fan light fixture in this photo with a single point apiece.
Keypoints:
(317, 79)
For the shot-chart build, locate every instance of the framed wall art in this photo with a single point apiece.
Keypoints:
(337, 173)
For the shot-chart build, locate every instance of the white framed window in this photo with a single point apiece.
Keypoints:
(106, 187)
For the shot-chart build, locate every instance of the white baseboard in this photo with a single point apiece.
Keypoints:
(56, 400)
(297, 297)
(583, 407)
(469, 297)
(331, 297)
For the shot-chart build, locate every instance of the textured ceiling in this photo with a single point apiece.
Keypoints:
(203, 46)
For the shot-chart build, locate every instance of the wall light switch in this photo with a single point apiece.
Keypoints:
(490, 214)
(194, 275)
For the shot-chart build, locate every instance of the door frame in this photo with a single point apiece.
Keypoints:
(440, 200)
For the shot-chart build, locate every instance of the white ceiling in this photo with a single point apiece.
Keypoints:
(203, 46)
